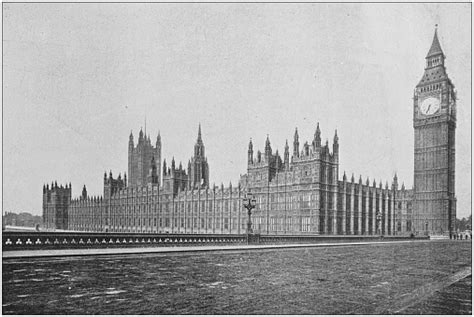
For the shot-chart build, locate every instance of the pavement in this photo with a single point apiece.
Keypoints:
(455, 299)
(143, 250)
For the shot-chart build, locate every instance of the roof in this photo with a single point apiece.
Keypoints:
(435, 46)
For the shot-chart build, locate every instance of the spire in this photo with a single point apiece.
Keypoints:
(286, 156)
(317, 137)
(435, 48)
(336, 138)
(199, 139)
(268, 148)
(250, 153)
(296, 144)
(158, 138)
(344, 177)
(130, 138)
(84, 192)
(164, 167)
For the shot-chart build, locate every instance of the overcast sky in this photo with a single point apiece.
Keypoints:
(79, 77)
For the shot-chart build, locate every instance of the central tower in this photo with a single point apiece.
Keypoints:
(434, 122)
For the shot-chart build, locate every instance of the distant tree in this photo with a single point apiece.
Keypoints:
(464, 223)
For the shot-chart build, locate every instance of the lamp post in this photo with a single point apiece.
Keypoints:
(249, 204)
(379, 218)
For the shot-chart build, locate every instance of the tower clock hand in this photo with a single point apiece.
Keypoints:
(428, 110)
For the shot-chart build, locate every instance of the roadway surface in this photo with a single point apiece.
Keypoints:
(412, 277)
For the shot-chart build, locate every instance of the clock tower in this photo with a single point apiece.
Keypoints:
(434, 121)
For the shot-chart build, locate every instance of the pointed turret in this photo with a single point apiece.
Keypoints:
(344, 177)
(268, 148)
(335, 144)
(286, 156)
(140, 136)
(199, 139)
(435, 48)
(164, 167)
(84, 192)
(317, 137)
(250, 153)
(158, 140)
(172, 164)
(395, 182)
(199, 146)
(296, 144)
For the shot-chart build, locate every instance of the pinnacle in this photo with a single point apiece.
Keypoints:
(435, 48)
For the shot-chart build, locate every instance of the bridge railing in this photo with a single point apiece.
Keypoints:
(74, 240)
(68, 240)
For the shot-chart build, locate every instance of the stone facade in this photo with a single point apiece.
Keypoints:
(297, 194)
(434, 121)
(140, 158)
(56, 201)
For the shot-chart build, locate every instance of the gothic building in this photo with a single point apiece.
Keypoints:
(434, 121)
(301, 193)
(140, 158)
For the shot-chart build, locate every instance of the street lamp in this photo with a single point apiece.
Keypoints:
(249, 204)
(379, 218)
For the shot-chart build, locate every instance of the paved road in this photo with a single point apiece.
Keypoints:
(455, 299)
(344, 279)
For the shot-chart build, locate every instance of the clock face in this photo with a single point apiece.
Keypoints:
(430, 106)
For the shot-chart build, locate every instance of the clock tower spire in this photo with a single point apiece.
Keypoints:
(434, 122)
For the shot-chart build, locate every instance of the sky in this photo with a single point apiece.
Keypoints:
(78, 78)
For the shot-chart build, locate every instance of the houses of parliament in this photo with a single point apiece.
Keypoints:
(302, 192)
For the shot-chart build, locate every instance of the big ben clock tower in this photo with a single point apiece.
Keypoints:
(434, 121)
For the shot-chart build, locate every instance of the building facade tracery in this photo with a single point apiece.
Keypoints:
(301, 194)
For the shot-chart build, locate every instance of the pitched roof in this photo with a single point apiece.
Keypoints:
(435, 46)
